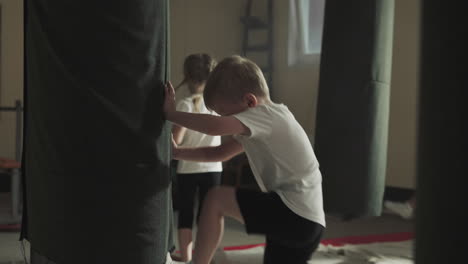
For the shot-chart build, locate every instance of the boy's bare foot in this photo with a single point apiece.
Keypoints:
(174, 259)
(178, 258)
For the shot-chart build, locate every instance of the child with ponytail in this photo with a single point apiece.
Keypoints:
(193, 176)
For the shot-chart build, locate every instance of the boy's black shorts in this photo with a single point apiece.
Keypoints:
(290, 238)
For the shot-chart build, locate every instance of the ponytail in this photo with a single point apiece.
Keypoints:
(197, 68)
(197, 101)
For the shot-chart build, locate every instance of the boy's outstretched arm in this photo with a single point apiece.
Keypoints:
(204, 123)
(222, 152)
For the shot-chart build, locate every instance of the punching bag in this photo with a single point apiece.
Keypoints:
(442, 137)
(97, 152)
(353, 105)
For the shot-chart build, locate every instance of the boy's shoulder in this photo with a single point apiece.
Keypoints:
(269, 107)
(271, 111)
(266, 113)
(275, 110)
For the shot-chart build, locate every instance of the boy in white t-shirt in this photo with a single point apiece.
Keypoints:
(289, 207)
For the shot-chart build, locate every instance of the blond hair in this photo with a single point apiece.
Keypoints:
(232, 78)
(197, 68)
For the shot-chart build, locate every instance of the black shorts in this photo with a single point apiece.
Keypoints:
(290, 238)
(188, 184)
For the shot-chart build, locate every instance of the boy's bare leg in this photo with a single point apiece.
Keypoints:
(219, 202)
(185, 245)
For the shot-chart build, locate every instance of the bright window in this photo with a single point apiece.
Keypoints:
(305, 30)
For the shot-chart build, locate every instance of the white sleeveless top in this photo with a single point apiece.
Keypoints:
(195, 139)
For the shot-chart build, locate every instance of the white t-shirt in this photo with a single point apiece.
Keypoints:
(282, 159)
(196, 139)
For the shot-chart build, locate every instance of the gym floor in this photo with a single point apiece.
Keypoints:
(11, 249)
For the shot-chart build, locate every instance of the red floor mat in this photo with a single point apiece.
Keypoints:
(393, 237)
(10, 228)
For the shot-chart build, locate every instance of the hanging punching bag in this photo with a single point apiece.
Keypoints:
(97, 152)
(442, 135)
(353, 105)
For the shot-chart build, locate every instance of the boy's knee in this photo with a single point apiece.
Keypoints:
(215, 197)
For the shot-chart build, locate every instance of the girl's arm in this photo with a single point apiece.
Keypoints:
(178, 133)
(204, 123)
(222, 152)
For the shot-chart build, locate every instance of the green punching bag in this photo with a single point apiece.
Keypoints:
(97, 152)
(353, 105)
